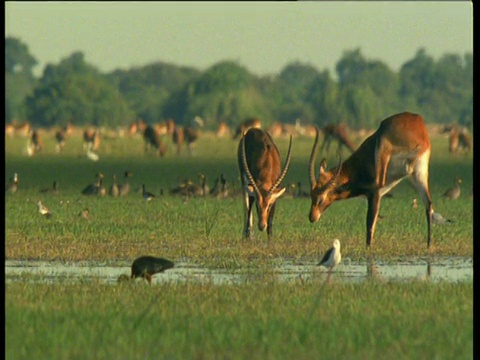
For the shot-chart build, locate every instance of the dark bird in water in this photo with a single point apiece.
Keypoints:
(453, 193)
(147, 266)
(12, 187)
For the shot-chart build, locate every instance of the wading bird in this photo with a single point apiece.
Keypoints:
(147, 266)
(331, 258)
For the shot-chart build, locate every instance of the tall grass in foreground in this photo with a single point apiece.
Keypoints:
(269, 320)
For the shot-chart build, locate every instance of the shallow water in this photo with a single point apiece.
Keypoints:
(450, 269)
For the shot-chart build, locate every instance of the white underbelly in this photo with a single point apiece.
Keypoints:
(400, 166)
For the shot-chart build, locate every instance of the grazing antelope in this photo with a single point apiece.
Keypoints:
(190, 135)
(60, 136)
(399, 148)
(91, 140)
(339, 133)
(275, 130)
(9, 130)
(14, 128)
(153, 140)
(177, 138)
(35, 143)
(223, 130)
(185, 135)
(250, 122)
(137, 126)
(261, 175)
(458, 139)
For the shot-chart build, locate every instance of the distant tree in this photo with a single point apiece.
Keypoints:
(19, 79)
(147, 89)
(441, 90)
(224, 92)
(417, 78)
(74, 91)
(324, 97)
(369, 89)
(292, 89)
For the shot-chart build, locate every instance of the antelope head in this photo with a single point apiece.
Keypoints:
(322, 187)
(265, 187)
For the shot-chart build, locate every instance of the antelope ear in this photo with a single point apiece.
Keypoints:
(277, 194)
(323, 166)
(250, 190)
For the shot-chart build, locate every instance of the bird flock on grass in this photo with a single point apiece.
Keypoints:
(146, 266)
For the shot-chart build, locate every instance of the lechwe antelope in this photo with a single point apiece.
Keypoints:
(261, 175)
(248, 123)
(399, 148)
(339, 133)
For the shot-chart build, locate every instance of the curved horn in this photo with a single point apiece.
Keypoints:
(247, 170)
(311, 164)
(285, 168)
(339, 168)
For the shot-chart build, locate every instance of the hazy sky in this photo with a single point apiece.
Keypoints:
(262, 36)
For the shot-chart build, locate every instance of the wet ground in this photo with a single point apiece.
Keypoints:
(449, 269)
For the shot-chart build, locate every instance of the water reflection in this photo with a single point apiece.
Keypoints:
(448, 269)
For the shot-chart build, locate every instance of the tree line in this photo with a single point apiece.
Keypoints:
(363, 92)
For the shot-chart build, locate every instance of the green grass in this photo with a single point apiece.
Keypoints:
(269, 320)
(261, 319)
(208, 231)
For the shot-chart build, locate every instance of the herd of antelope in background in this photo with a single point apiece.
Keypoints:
(400, 148)
(459, 139)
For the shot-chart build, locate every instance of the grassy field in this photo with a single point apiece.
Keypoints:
(265, 319)
(208, 230)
